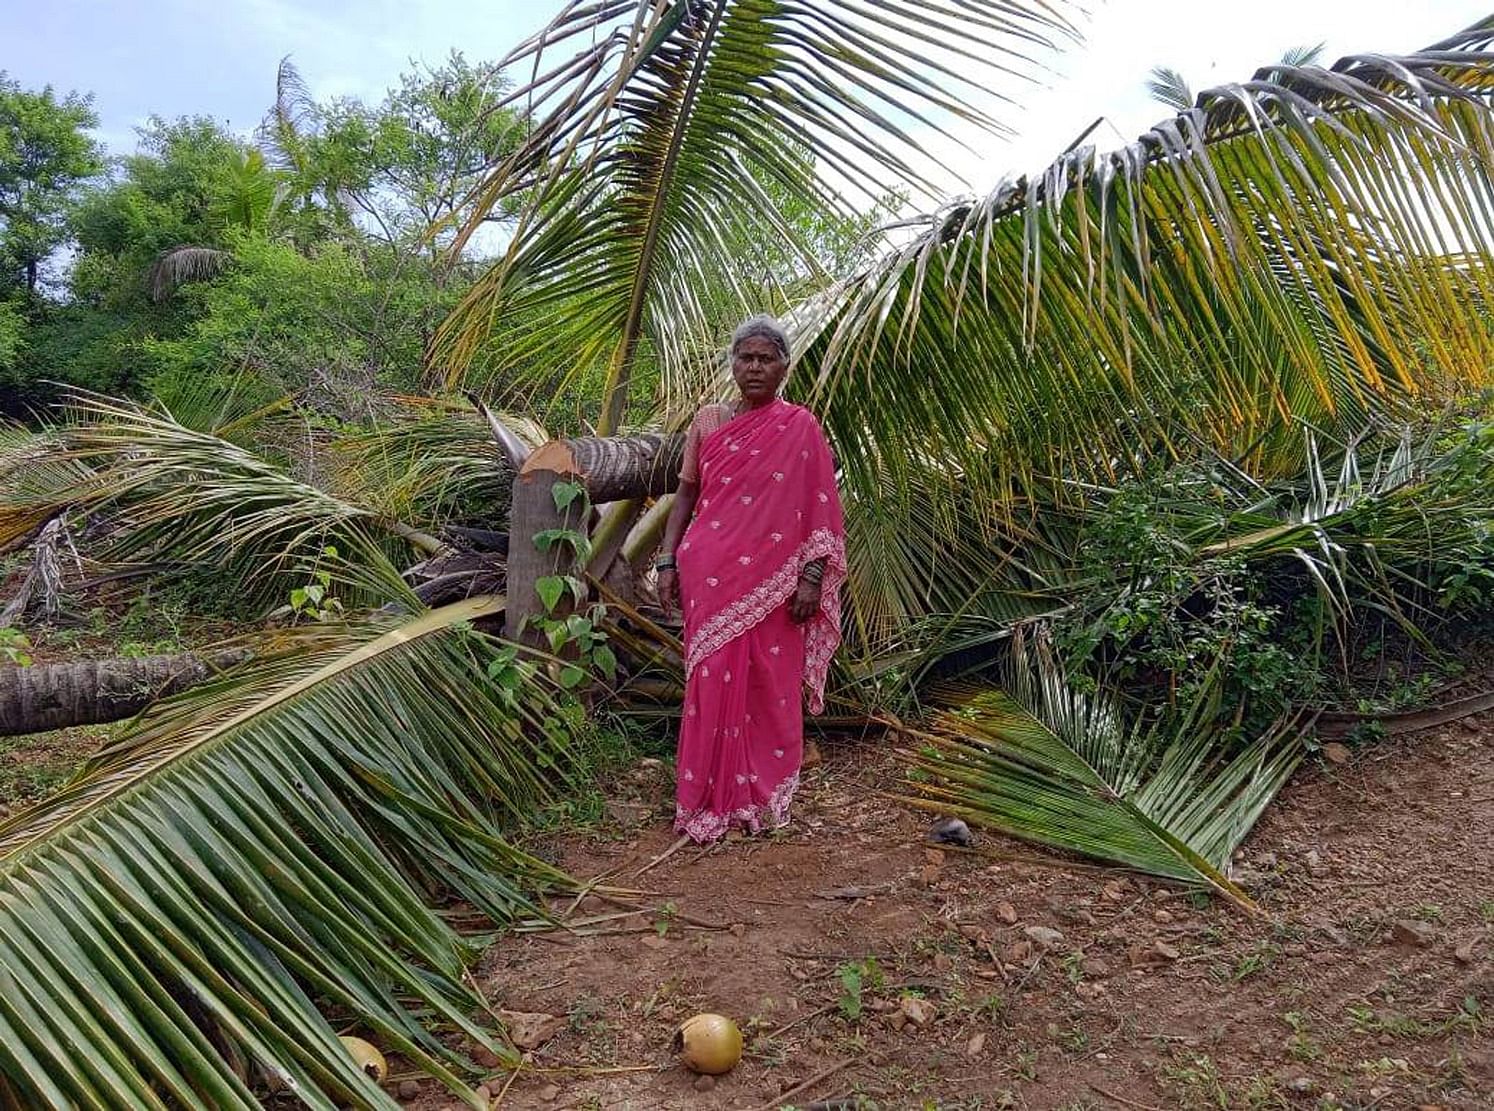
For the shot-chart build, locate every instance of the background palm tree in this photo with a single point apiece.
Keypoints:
(1169, 87)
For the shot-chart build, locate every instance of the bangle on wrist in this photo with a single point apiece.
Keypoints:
(666, 563)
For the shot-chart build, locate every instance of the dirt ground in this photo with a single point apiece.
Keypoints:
(1003, 979)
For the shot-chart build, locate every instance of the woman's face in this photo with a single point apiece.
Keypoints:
(759, 368)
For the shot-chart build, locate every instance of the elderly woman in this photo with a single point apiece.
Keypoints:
(753, 555)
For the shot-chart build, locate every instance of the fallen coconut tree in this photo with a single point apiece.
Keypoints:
(41, 697)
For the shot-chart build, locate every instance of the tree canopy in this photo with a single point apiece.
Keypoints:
(46, 154)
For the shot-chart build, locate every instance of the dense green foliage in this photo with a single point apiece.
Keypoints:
(312, 259)
(45, 155)
(297, 262)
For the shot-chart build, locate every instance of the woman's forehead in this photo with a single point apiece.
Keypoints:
(757, 343)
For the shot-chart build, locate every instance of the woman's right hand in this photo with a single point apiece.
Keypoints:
(669, 591)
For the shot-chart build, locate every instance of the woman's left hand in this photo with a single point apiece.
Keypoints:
(805, 603)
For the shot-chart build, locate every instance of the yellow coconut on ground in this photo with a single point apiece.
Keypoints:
(709, 1044)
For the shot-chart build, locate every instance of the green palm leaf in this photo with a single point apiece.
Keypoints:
(1168, 86)
(261, 848)
(1302, 246)
(1052, 765)
(641, 177)
(429, 465)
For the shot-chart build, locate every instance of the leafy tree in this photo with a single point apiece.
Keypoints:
(190, 183)
(395, 169)
(72, 345)
(338, 325)
(45, 155)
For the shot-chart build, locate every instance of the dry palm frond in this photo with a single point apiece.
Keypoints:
(187, 263)
(187, 497)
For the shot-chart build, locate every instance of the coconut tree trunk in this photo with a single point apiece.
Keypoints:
(612, 468)
(619, 467)
(87, 692)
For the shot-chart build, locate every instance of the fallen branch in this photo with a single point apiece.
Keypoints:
(1334, 725)
(1122, 1100)
(44, 578)
(850, 894)
(818, 1078)
(665, 855)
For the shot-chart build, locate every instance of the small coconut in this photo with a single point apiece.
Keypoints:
(709, 1044)
(369, 1059)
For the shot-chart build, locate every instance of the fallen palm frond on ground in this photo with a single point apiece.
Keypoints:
(432, 466)
(1198, 607)
(1172, 797)
(266, 847)
(173, 494)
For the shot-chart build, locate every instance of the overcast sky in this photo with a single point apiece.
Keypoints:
(218, 57)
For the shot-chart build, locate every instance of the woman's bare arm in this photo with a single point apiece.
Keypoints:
(679, 515)
(679, 519)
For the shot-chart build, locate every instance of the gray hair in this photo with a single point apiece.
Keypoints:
(761, 327)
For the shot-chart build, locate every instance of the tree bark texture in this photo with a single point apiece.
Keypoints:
(87, 692)
(618, 467)
(612, 468)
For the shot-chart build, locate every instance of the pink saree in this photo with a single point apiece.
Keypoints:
(768, 505)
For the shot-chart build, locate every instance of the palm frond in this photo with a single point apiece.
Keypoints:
(239, 407)
(929, 568)
(264, 851)
(1168, 86)
(641, 173)
(432, 467)
(1300, 249)
(1374, 524)
(178, 495)
(282, 134)
(248, 194)
(34, 471)
(1303, 55)
(179, 265)
(1051, 764)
